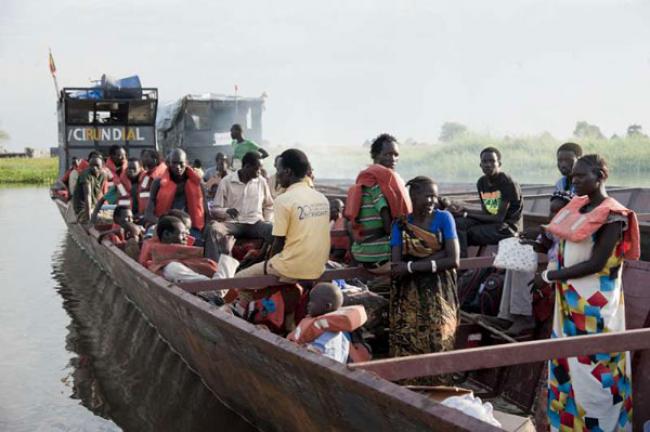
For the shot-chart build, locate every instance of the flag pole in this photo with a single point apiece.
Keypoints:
(53, 72)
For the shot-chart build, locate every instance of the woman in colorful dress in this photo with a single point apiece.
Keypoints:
(423, 298)
(594, 392)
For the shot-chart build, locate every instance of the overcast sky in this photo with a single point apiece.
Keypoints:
(340, 71)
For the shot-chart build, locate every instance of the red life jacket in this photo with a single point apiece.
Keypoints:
(193, 197)
(346, 319)
(116, 236)
(570, 224)
(145, 257)
(190, 256)
(271, 305)
(144, 183)
(110, 165)
(124, 191)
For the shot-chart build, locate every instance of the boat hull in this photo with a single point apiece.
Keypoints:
(271, 382)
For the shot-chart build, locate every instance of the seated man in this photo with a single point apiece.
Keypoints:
(325, 301)
(117, 162)
(241, 146)
(124, 233)
(91, 185)
(173, 259)
(124, 192)
(301, 239)
(567, 156)
(213, 175)
(243, 207)
(340, 250)
(64, 187)
(501, 213)
(516, 308)
(179, 187)
(153, 168)
(151, 238)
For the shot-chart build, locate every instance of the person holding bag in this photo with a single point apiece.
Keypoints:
(596, 235)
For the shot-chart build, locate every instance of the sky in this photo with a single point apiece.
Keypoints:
(340, 71)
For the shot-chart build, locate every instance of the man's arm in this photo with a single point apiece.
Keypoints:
(280, 227)
(219, 209)
(267, 203)
(150, 212)
(483, 216)
(278, 245)
(98, 207)
(87, 191)
(263, 153)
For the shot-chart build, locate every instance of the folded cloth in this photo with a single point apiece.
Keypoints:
(391, 185)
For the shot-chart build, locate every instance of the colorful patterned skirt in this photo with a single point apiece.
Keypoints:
(594, 392)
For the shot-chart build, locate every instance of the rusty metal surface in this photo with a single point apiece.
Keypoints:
(273, 383)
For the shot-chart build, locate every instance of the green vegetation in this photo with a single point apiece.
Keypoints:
(29, 171)
(529, 159)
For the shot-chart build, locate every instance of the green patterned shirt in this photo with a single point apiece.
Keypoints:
(372, 248)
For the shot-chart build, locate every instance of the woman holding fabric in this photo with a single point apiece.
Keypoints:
(423, 298)
(591, 393)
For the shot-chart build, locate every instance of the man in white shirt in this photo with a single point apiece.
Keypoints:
(242, 207)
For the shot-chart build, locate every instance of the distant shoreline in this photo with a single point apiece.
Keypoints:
(28, 171)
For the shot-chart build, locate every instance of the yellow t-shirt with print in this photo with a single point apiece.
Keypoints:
(301, 215)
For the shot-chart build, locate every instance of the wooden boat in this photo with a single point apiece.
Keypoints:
(536, 207)
(277, 385)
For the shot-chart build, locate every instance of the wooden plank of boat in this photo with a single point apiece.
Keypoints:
(506, 355)
(329, 275)
(268, 380)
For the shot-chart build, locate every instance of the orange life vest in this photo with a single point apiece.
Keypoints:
(190, 256)
(193, 197)
(115, 179)
(570, 224)
(144, 183)
(116, 236)
(145, 257)
(346, 319)
(124, 187)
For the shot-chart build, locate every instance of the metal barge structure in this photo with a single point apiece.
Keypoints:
(200, 124)
(113, 112)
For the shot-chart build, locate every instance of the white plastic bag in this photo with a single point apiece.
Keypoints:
(472, 406)
(513, 255)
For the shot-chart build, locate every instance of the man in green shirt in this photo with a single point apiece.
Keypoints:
(241, 146)
(90, 187)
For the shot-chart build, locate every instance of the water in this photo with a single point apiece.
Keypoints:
(75, 355)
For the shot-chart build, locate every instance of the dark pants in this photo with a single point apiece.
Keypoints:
(475, 233)
(220, 237)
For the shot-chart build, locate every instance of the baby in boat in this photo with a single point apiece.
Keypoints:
(326, 327)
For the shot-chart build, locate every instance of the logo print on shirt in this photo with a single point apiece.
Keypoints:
(491, 201)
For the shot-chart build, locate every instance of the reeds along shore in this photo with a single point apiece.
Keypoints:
(28, 171)
(529, 159)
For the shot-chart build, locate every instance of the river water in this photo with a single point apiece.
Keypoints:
(75, 355)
